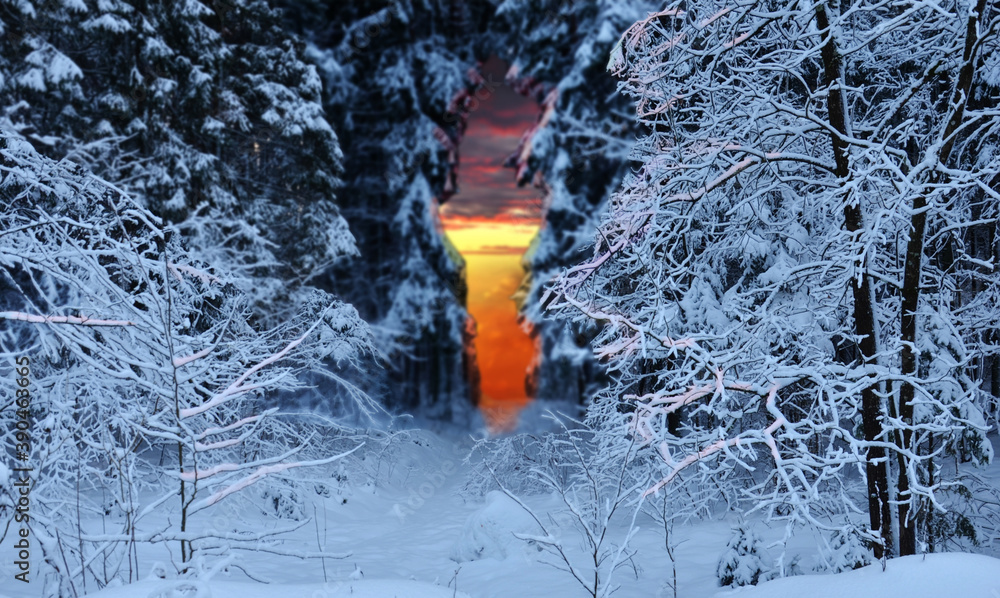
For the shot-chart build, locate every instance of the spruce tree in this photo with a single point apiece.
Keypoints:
(205, 112)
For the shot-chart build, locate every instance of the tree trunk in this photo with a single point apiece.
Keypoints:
(864, 311)
(911, 278)
(908, 365)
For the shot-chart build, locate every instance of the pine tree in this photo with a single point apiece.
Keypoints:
(741, 564)
(396, 74)
(847, 552)
(206, 113)
(576, 154)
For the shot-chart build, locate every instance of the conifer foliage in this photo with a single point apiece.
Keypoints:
(577, 155)
(395, 73)
(741, 563)
(206, 113)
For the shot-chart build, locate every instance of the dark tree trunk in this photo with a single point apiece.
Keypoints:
(864, 310)
(911, 278)
(908, 364)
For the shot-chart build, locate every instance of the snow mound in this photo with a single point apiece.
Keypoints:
(374, 588)
(489, 532)
(921, 576)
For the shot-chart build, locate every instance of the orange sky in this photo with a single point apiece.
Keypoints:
(492, 254)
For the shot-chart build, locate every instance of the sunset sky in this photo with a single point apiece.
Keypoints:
(491, 222)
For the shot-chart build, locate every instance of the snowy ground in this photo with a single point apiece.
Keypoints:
(406, 537)
(933, 575)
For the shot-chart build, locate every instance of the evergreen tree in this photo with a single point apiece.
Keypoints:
(847, 552)
(577, 155)
(205, 112)
(741, 564)
(397, 76)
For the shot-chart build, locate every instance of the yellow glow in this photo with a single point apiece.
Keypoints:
(493, 250)
(471, 236)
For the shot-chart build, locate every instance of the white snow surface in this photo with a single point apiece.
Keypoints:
(413, 533)
(374, 588)
(942, 575)
(491, 531)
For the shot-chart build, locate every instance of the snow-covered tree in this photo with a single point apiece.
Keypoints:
(847, 552)
(741, 563)
(206, 113)
(398, 76)
(780, 281)
(149, 370)
(577, 154)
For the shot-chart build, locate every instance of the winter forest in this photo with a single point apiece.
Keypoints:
(491, 298)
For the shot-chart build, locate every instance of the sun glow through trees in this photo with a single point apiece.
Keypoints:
(493, 253)
(491, 222)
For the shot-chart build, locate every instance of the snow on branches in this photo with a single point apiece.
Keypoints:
(145, 354)
(789, 285)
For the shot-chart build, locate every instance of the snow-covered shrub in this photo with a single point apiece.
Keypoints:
(149, 371)
(847, 552)
(966, 520)
(742, 564)
(282, 502)
(599, 490)
(510, 461)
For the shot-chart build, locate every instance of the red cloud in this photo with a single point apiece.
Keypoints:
(510, 217)
(497, 250)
